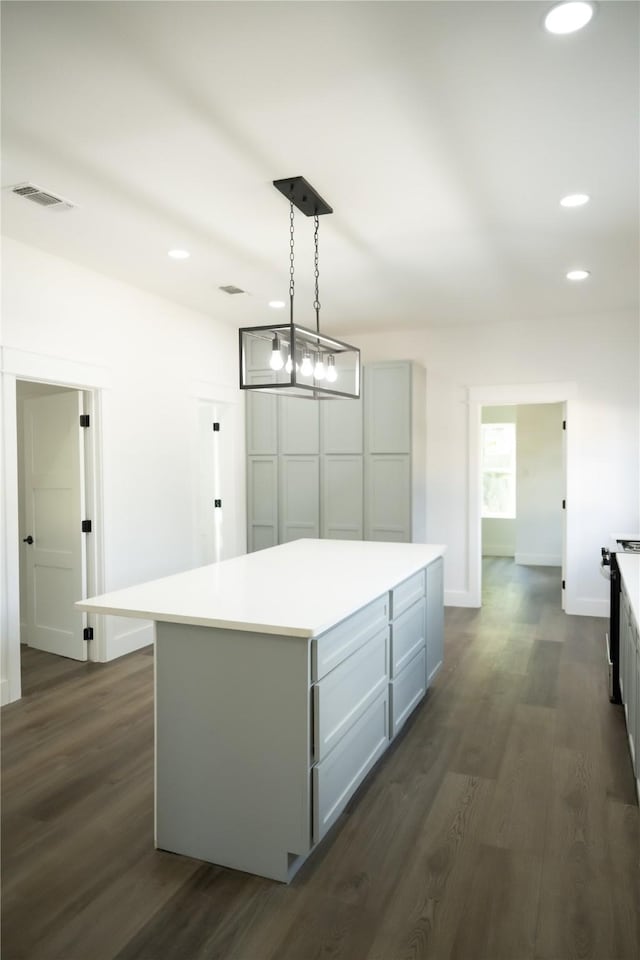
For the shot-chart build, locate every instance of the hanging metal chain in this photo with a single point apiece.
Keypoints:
(291, 261)
(316, 302)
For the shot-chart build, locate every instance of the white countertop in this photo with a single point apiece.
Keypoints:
(297, 589)
(629, 565)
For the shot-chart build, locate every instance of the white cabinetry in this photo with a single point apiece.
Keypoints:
(395, 455)
(371, 480)
(299, 497)
(630, 670)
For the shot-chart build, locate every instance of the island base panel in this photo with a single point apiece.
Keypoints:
(232, 748)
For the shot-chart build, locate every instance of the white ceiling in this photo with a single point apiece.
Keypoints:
(442, 133)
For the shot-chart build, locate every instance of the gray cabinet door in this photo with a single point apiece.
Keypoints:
(341, 426)
(636, 741)
(299, 497)
(299, 422)
(262, 420)
(262, 502)
(387, 507)
(435, 618)
(387, 405)
(342, 496)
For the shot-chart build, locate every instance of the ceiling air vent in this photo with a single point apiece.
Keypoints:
(43, 198)
(231, 289)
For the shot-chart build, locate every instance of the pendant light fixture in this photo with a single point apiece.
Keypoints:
(288, 359)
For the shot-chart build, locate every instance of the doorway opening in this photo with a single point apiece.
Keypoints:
(523, 491)
(57, 516)
(554, 550)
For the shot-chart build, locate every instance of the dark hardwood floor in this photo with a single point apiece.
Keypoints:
(502, 826)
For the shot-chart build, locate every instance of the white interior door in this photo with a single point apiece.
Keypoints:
(564, 503)
(54, 507)
(217, 486)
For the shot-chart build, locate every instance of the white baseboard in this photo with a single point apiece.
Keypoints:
(459, 598)
(539, 559)
(497, 550)
(121, 644)
(4, 692)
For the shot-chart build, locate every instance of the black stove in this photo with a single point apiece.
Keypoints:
(609, 568)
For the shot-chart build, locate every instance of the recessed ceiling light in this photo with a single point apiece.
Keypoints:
(179, 254)
(276, 304)
(568, 17)
(575, 200)
(577, 274)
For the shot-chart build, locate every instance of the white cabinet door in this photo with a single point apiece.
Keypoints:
(262, 419)
(388, 498)
(341, 426)
(435, 618)
(632, 692)
(299, 497)
(637, 730)
(299, 421)
(387, 404)
(262, 502)
(342, 497)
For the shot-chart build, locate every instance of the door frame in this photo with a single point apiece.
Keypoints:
(22, 365)
(513, 395)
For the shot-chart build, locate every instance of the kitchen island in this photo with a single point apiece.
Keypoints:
(281, 677)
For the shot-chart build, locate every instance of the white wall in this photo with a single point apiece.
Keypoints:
(539, 484)
(498, 533)
(600, 355)
(156, 359)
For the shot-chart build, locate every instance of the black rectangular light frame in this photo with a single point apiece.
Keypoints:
(318, 390)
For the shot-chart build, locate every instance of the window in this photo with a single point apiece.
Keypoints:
(499, 470)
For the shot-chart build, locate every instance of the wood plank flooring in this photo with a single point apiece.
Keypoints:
(503, 825)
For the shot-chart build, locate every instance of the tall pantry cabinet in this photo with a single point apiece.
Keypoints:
(340, 469)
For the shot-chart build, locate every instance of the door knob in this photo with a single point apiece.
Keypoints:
(28, 539)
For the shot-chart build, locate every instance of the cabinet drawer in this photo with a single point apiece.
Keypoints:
(338, 776)
(407, 690)
(406, 593)
(407, 636)
(334, 646)
(345, 693)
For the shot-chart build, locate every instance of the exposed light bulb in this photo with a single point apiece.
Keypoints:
(288, 365)
(318, 370)
(332, 373)
(307, 367)
(277, 360)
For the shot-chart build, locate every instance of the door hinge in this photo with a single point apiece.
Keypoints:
(85, 420)
(86, 526)
(564, 584)
(564, 504)
(87, 633)
(216, 427)
(564, 424)
(217, 503)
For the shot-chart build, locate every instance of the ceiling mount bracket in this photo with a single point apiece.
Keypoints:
(299, 192)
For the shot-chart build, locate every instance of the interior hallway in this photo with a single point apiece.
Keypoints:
(503, 825)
